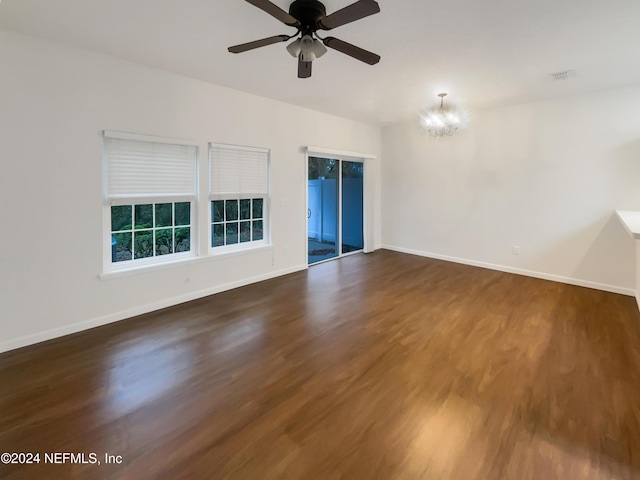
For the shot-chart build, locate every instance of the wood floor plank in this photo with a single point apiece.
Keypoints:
(377, 366)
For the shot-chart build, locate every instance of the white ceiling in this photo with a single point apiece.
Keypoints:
(483, 52)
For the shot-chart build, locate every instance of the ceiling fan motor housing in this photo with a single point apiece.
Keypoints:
(309, 13)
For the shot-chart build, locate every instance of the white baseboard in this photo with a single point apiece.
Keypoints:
(132, 312)
(520, 271)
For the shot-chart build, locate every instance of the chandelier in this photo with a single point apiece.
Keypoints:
(443, 120)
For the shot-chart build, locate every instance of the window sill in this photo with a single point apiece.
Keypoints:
(231, 252)
(238, 251)
(182, 262)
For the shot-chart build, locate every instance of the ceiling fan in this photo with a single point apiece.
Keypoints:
(309, 16)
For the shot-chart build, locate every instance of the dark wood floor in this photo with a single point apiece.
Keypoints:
(379, 366)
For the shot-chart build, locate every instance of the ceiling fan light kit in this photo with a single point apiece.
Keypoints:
(309, 16)
(307, 48)
(443, 119)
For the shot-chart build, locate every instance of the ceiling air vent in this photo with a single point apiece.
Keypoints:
(563, 75)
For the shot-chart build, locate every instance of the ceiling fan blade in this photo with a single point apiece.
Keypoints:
(258, 43)
(275, 11)
(351, 50)
(351, 13)
(304, 69)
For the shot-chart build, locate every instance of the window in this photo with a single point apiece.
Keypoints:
(150, 229)
(150, 200)
(239, 191)
(237, 221)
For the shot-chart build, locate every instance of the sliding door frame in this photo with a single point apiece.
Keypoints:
(367, 196)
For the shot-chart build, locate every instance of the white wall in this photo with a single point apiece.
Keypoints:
(54, 103)
(546, 176)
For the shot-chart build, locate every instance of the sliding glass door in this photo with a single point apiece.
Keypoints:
(352, 206)
(322, 213)
(335, 208)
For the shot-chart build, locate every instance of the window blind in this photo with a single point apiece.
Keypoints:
(144, 168)
(236, 170)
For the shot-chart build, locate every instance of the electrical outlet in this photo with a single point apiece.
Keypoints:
(516, 249)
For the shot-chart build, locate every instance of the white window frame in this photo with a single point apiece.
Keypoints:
(142, 199)
(266, 205)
